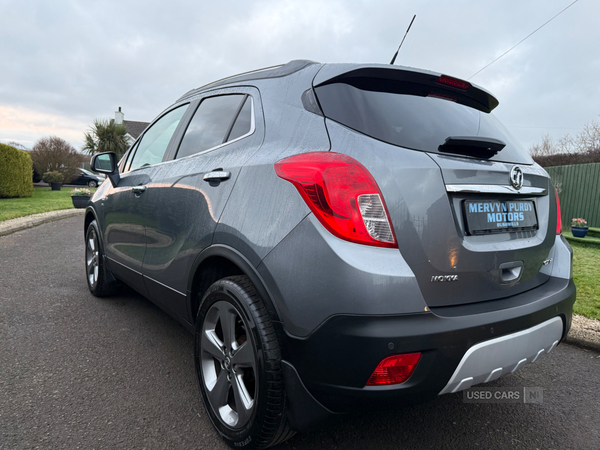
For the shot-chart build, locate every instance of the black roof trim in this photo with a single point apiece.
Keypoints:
(260, 74)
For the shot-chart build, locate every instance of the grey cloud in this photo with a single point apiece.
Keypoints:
(82, 60)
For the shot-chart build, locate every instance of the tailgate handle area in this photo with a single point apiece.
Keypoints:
(510, 272)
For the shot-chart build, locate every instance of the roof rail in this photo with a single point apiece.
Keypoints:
(280, 70)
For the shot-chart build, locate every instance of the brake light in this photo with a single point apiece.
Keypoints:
(394, 369)
(558, 218)
(454, 82)
(342, 194)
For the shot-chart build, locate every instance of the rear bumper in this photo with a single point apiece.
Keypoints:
(326, 372)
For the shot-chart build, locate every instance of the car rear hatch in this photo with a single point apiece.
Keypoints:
(471, 226)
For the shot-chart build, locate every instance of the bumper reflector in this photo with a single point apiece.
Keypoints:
(394, 369)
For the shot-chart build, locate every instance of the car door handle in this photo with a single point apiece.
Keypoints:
(138, 189)
(217, 175)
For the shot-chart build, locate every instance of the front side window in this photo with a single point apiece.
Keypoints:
(213, 123)
(155, 141)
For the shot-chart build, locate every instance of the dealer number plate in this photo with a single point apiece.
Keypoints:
(500, 216)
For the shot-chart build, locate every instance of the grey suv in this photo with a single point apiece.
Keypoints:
(338, 237)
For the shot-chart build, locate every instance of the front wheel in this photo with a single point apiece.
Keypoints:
(95, 272)
(238, 364)
(92, 183)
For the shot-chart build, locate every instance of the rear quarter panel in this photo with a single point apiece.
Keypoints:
(263, 208)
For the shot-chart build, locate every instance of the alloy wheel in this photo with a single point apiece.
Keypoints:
(91, 258)
(228, 362)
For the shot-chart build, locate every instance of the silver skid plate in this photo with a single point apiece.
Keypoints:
(489, 360)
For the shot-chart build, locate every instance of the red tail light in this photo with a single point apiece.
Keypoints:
(342, 194)
(394, 369)
(558, 219)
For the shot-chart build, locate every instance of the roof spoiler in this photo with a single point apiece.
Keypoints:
(407, 80)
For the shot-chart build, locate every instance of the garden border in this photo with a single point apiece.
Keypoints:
(21, 223)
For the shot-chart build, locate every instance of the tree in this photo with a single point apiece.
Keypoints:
(106, 136)
(53, 154)
(583, 148)
(545, 148)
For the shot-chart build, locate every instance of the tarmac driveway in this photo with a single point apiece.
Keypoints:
(82, 372)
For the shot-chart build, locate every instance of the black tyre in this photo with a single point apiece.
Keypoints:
(96, 275)
(92, 183)
(238, 364)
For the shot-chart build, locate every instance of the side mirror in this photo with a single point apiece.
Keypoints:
(106, 163)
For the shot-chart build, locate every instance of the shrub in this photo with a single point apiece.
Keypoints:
(53, 177)
(15, 172)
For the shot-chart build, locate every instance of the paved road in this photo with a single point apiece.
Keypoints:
(81, 372)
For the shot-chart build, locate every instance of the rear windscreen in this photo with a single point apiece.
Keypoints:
(415, 120)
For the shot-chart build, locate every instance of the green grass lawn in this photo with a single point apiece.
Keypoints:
(586, 272)
(44, 199)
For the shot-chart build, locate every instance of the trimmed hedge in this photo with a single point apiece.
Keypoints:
(15, 172)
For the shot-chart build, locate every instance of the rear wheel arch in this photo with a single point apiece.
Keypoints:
(221, 261)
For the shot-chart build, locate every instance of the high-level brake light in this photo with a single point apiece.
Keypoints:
(394, 369)
(454, 82)
(342, 194)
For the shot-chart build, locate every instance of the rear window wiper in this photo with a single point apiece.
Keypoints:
(476, 146)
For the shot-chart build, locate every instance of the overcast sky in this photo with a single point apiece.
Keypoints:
(65, 63)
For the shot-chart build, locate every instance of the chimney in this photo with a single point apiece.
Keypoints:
(119, 116)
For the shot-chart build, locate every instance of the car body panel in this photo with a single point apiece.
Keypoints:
(123, 226)
(311, 265)
(275, 205)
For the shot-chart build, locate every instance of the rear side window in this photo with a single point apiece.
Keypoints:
(155, 141)
(243, 123)
(215, 121)
(412, 120)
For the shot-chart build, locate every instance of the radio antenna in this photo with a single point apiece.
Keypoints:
(407, 30)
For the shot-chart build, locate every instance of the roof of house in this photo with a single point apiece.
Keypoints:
(135, 128)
